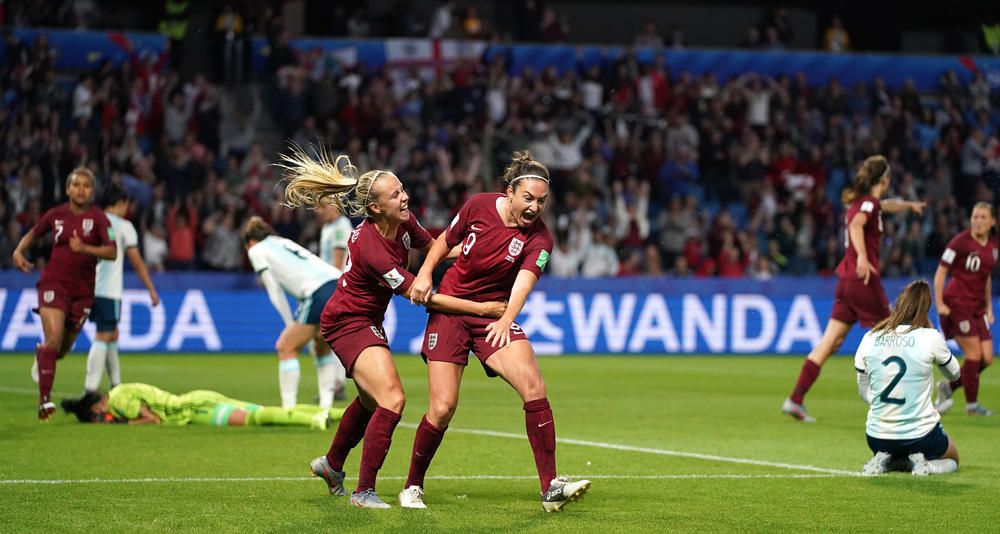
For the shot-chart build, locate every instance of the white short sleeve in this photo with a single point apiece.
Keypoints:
(129, 236)
(859, 356)
(258, 258)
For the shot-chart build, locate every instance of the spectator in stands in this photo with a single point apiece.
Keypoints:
(554, 28)
(600, 259)
(649, 38)
(182, 227)
(836, 38)
(154, 248)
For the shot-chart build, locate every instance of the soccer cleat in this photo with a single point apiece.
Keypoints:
(562, 492)
(45, 411)
(979, 410)
(878, 465)
(412, 497)
(320, 420)
(368, 499)
(334, 479)
(921, 467)
(797, 411)
(944, 400)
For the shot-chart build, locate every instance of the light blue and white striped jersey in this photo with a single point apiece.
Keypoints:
(334, 235)
(298, 271)
(109, 279)
(900, 371)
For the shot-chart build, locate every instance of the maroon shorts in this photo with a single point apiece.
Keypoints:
(53, 294)
(855, 302)
(449, 338)
(966, 321)
(350, 336)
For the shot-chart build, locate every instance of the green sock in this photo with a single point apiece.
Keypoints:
(272, 415)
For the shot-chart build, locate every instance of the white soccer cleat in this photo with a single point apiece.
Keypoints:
(334, 479)
(562, 492)
(368, 499)
(878, 465)
(944, 400)
(921, 467)
(796, 410)
(412, 497)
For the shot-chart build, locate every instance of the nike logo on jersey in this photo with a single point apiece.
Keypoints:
(540, 425)
(475, 228)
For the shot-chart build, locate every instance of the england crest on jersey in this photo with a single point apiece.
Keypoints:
(432, 341)
(48, 296)
(88, 225)
(406, 240)
(515, 247)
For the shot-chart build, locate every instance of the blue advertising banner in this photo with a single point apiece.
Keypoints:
(229, 313)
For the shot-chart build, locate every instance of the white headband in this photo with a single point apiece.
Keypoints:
(546, 180)
(372, 184)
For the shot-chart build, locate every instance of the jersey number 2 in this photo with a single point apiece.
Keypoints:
(884, 396)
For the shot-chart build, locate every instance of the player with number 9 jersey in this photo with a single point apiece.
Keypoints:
(859, 295)
(505, 246)
(965, 304)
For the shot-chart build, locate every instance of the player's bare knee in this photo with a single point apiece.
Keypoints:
(393, 399)
(440, 412)
(534, 390)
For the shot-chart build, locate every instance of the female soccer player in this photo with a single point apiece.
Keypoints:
(283, 265)
(352, 319)
(965, 305)
(895, 363)
(140, 404)
(108, 290)
(81, 235)
(859, 296)
(505, 247)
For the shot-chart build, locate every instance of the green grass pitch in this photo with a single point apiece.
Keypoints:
(701, 446)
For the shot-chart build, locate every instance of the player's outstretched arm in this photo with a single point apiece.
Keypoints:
(24, 244)
(449, 304)
(896, 205)
(143, 272)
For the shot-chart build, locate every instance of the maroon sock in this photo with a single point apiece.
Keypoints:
(807, 377)
(541, 428)
(46, 372)
(970, 379)
(378, 438)
(425, 444)
(983, 365)
(349, 433)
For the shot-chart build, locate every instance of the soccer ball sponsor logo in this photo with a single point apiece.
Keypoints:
(49, 296)
(406, 240)
(88, 225)
(964, 326)
(432, 341)
(378, 332)
(515, 247)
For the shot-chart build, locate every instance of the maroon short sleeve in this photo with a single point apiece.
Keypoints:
(387, 272)
(537, 257)
(104, 230)
(456, 231)
(44, 224)
(419, 236)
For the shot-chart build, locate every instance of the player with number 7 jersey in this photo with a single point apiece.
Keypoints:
(351, 322)
(505, 246)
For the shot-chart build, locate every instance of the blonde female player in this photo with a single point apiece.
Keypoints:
(965, 305)
(859, 296)
(505, 247)
(895, 363)
(351, 322)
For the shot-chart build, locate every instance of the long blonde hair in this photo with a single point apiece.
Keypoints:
(320, 182)
(911, 309)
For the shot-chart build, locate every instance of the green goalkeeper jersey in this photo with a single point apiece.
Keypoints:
(125, 400)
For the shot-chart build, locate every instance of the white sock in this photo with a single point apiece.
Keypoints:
(114, 366)
(972, 406)
(326, 379)
(288, 381)
(341, 374)
(943, 465)
(95, 365)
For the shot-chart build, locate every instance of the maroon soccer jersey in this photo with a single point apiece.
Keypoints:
(492, 253)
(871, 207)
(970, 265)
(375, 269)
(74, 270)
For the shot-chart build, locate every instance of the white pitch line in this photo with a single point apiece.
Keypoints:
(649, 450)
(153, 480)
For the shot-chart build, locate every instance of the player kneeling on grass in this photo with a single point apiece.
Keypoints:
(138, 404)
(895, 364)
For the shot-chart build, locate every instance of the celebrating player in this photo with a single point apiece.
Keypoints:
(895, 364)
(859, 296)
(352, 320)
(81, 235)
(141, 404)
(283, 266)
(108, 290)
(965, 305)
(505, 247)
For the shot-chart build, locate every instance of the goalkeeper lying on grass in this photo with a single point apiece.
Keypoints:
(138, 404)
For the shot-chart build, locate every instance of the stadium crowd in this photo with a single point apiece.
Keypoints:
(653, 174)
